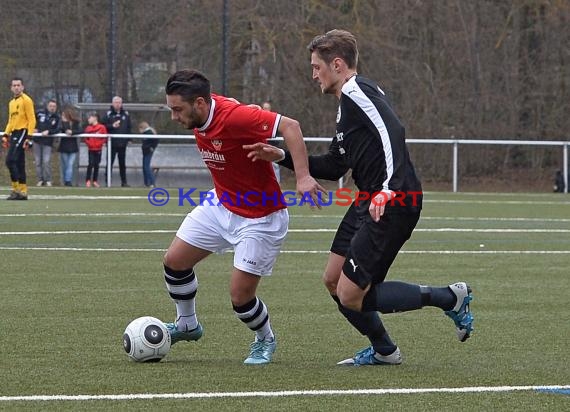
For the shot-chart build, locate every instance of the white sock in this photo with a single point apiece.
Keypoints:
(182, 288)
(256, 314)
(186, 314)
(265, 333)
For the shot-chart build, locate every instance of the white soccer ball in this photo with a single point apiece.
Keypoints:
(146, 339)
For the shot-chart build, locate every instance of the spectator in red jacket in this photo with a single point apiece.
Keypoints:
(95, 147)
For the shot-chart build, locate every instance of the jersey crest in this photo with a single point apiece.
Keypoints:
(217, 143)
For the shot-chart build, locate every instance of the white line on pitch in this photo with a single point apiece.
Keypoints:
(126, 214)
(265, 394)
(312, 216)
(89, 232)
(334, 199)
(302, 252)
(82, 249)
(428, 230)
(496, 219)
(103, 214)
(86, 197)
(494, 230)
(498, 202)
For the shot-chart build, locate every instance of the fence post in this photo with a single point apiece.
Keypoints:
(109, 169)
(565, 166)
(455, 160)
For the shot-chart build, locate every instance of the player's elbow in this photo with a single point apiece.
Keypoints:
(288, 125)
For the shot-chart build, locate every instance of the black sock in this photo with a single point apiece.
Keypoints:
(364, 322)
(370, 325)
(442, 298)
(382, 343)
(390, 297)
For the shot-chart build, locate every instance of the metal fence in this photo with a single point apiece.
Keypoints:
(454, 143)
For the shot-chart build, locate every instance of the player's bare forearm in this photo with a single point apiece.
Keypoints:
(293, 137)
(291, 132)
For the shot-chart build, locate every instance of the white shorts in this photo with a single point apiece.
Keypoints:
(256, 242)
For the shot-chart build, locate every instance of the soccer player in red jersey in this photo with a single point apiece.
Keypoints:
(245, 211)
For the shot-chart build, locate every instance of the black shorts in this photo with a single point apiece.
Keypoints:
(370, 247)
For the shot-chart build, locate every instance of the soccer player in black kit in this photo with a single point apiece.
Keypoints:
(370, 140)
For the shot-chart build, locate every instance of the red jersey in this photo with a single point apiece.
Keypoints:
(95, 144)
(248, 189)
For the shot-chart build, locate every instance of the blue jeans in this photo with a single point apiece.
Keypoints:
(42, 157)
(148, 175)
(67, 161)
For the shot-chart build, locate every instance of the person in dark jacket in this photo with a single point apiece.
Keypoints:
(118, 121)
(559, 184)
(47, 123)
(148, 147)
(68, 146)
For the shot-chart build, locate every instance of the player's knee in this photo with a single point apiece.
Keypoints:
(330, 283)
(169, 260)
(240, 297)
(348, 300)
(166, 259)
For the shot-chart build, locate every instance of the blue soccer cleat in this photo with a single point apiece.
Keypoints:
(368, 356)
(461, 314)
(261, 352)
(178, 335)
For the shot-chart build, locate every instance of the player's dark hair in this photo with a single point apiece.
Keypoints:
(336, 43)
(17, 79)
(189, 84)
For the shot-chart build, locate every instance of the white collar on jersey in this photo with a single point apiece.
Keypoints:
(210, 116)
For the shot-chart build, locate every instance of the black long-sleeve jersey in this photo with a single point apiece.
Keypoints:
(370, 140)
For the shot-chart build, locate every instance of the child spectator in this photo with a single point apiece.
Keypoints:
(95, 147)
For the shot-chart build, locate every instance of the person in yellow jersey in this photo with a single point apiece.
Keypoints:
(17, 137)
